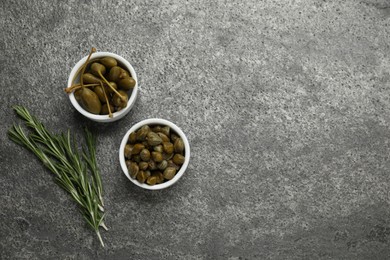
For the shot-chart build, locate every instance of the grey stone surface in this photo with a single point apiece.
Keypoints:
(285, 104)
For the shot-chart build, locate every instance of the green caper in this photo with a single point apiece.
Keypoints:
(163, 137)
(169, 173)
(173, 165)
(100, 93)
(128, 150)
(160, 157)
(145, 155)
(128, 162)
(179, 146)
(126, 83)
(141, 176)
(165, 130)
(109, 62)
(159, 176)
(152, 165)
(162, 165)
(157, 157)
(137, 148)
(132, 138)
(153, 139)
(118, 101)
(143, 166)
(178, 159)
(136, 158)
(168, 147)
(156, 129)
(152, 180)
(90, 101)
(142, 133)
(97, 69)
(90, 79)
(105, 111)
(133, 169)
(114, 73)
(174, 137)
(158, 148)
(167, 156)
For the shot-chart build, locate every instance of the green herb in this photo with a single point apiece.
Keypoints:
(75, 171)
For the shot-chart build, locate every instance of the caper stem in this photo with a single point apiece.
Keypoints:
(113, 89)
(108, 103)
(85, 65)
(78, 86)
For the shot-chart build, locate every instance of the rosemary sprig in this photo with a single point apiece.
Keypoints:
(76, 172)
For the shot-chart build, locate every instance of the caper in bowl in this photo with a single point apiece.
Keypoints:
(103, 86)
(154, 154)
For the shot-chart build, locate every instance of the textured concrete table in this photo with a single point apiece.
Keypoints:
(285, 104)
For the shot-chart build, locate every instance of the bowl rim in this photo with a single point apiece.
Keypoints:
(130, 102)
(155, 121)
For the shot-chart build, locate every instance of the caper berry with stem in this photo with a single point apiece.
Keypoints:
(109, 89)
(106, 109)
(90, 101)
(126, 83)
(91, 79)
(99, 70)
(100, 93)
(109, 62)
(114, 73)
(118, 99)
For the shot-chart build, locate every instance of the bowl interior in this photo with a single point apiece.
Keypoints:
(150, 122)
(74, 77)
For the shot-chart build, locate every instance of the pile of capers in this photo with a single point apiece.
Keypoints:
(103, 87)
(154, 154)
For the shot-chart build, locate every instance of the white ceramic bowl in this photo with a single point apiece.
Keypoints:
(104, 118)
(155, 121)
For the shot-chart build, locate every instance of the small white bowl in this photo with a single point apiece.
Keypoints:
(103, 118)
(155, 121)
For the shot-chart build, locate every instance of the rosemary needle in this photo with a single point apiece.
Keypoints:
(75, 171)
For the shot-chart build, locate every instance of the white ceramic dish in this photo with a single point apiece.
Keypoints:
(175, 128)
(104, 118)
